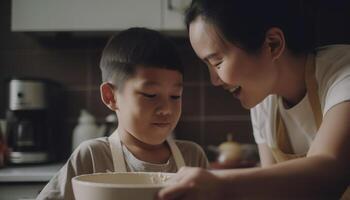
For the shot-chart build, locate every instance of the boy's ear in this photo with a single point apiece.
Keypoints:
(275, 42)
(107, 95)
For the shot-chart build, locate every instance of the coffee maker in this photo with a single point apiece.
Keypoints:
(30, 133)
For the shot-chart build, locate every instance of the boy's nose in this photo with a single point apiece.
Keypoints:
(214, 78)
(164, 108)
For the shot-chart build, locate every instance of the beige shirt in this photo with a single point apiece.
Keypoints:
(94, 156)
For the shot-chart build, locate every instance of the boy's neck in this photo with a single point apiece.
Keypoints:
(157, 154)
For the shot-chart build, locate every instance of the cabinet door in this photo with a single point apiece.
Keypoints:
(173, 14)
(84, 15)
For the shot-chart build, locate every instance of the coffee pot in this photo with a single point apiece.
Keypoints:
(30, 132)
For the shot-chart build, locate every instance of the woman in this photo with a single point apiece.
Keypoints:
(298, 97)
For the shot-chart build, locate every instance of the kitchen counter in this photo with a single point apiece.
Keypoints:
(25, 182)
(29, 173)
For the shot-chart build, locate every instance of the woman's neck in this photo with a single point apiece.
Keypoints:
(291, 82)
(157, 154)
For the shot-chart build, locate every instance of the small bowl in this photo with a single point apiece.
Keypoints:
(121, 186)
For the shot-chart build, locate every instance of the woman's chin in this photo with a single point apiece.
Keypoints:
(249, 104)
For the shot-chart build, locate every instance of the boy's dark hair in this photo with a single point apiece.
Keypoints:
(245, 22)
(134, 48)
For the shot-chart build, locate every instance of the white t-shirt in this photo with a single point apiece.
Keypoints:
(333, 78)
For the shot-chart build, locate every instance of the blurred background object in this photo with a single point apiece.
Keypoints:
(85, 129)
(109, 125)
(230, 154)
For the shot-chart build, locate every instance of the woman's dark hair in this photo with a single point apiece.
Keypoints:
(245, 22)
(134, 48)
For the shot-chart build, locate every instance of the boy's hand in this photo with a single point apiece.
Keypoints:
(193, 183)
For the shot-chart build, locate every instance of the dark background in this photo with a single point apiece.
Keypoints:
(72, 60)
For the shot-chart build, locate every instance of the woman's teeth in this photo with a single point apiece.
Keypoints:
(234, 89)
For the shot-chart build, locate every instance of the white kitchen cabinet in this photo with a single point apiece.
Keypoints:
(84, 15)
(92, 15)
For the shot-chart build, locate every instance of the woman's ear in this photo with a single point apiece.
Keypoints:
(107, 95)
(275, 42)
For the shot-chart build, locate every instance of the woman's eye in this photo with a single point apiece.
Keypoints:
(175, 97)
(148, 95)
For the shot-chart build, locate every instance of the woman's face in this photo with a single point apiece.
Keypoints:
(249, 77)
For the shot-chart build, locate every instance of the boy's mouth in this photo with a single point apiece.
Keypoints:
(162, 124)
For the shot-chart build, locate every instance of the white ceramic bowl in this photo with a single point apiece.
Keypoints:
(119, 186)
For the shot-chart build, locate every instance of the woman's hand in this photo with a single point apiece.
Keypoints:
(193, 183)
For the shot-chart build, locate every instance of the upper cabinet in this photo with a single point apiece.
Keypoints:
(101, 15)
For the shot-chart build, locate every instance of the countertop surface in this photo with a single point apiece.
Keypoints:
(29, 173)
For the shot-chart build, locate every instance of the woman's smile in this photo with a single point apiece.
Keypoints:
(234, 90)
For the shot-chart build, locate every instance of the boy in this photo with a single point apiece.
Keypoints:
(142, 82)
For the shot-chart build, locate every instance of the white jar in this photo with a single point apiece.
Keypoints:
(85, 130)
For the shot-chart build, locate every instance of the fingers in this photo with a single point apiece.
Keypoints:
(177, 187)
(172, 192)
(184, 184)
(179, 176)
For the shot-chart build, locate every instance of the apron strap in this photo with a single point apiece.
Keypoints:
(179, 160)
(312, 90)
(117, 152)
(282, 139)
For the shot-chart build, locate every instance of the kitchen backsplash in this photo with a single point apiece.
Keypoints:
(208, 113)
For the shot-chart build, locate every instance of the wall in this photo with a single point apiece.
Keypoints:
(208, 113)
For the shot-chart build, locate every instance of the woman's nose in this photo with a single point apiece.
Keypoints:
(214, 78)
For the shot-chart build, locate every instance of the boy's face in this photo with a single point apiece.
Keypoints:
(149, 105)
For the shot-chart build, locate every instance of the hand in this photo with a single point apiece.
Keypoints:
(193, 183)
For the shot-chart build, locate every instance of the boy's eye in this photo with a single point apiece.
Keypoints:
(148, 95)
(175, 97)
(217, 65)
